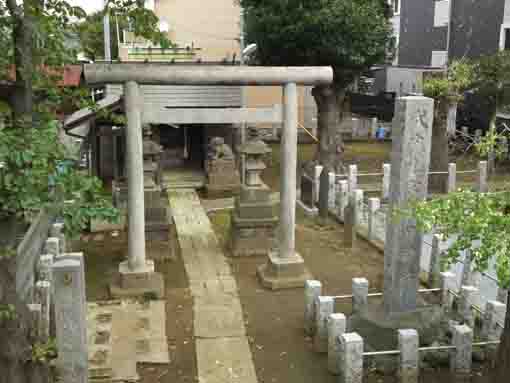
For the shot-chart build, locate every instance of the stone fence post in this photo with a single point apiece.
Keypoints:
(461, 356)
(359, 295)
(336, 326)
(44, 266)
(466, 299)
(483, 186)
(52, 246)
(313, 289)
(386, 181)
(332, 191)
(43, 297)
(57, 230)
(447, 280)
(324, 307)
(342, 198)
(374, 204)
(408, 344)
(71, 321)
(452, 177)
(357, 200)
(353, 178)
(491, 330)
(435, 261)
(494, 310)
(351, 360)
(317, 182)
(373, 127)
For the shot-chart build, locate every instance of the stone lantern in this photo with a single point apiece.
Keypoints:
(151, 155)
(254, 217)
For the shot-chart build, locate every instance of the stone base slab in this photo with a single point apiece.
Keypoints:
(309, 211)
(380, 330)
(137, 283)
(220, 191)
(283, 273)
(251, 237)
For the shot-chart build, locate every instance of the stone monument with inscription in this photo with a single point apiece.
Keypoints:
(71, 320)
(255, 216)
(222, 174)
(410, 157)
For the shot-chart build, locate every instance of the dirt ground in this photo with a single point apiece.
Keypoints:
(102, 256)
(274, 320)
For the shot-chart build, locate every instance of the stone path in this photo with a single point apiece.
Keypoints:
(223, 352)
(121, 334)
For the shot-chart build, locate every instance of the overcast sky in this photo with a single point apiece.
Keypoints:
(88, 5)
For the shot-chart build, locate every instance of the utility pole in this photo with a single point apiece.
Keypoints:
(106, 31)
(243, 98)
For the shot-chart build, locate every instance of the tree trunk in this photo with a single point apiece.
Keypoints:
(439, 150)
(23, 29)
(502, 370)
(491, 155)
(329, 100)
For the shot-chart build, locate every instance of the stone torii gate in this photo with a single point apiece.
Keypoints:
(285, 267)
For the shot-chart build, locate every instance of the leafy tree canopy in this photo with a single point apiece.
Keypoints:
(349, 35)
(450, 86)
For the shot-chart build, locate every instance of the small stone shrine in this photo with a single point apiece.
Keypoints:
(222, 173)
(254, 217)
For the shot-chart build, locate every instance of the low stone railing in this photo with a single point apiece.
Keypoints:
(345, 350)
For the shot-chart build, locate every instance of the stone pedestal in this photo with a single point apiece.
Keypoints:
(140, 282)
(254, 217)
(222, 174)
(283, 272)
(379, 329)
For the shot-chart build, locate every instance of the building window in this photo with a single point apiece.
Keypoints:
(504, 37)
(395, 6)
(441, 13)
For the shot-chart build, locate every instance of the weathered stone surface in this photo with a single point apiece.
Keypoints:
(43, 297)
(409, 180)
(466, 301)
(351, 362)
(307, 192)
(222, 173)
(359, 295)
(374, 204)
(494, 312)
(408, 341)
(324, 194)
(342, 198)
(223, 353)
(70, 319)
(336, 326)
(313, 290)
(461, 357)
(324, 307)
(283, 272)
(223, 360)
(52, 246)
